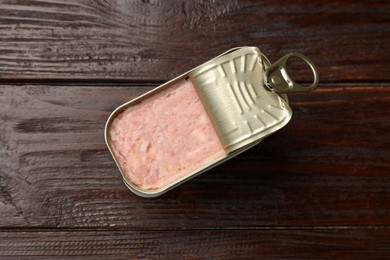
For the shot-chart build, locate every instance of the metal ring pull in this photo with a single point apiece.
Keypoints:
(279, 80)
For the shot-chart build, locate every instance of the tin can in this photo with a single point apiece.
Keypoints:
(237, 99)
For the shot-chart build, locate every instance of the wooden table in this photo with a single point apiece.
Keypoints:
(319, 188)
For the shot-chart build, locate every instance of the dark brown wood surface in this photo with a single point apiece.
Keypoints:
(225, 244)
(319, 188)
(157, 40)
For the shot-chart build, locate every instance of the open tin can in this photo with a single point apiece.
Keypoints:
(200, 119)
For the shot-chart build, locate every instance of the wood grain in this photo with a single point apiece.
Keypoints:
(270, 244)
(319, 188)
(156, 40)
(328, 167)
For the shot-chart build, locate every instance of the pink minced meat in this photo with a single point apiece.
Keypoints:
(164, 137)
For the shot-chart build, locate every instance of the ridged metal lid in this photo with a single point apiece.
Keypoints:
(240, 105)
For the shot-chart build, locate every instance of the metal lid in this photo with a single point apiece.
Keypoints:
(240, 105)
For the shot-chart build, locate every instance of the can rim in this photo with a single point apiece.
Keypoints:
(157, 192)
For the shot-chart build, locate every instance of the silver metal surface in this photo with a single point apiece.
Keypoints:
(232, 91)
(279, 81)
(243, 95)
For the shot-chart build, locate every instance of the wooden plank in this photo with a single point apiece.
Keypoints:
(269, 244)
(329, 166)
(157, 40)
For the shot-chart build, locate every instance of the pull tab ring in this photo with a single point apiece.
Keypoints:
(279, 80)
